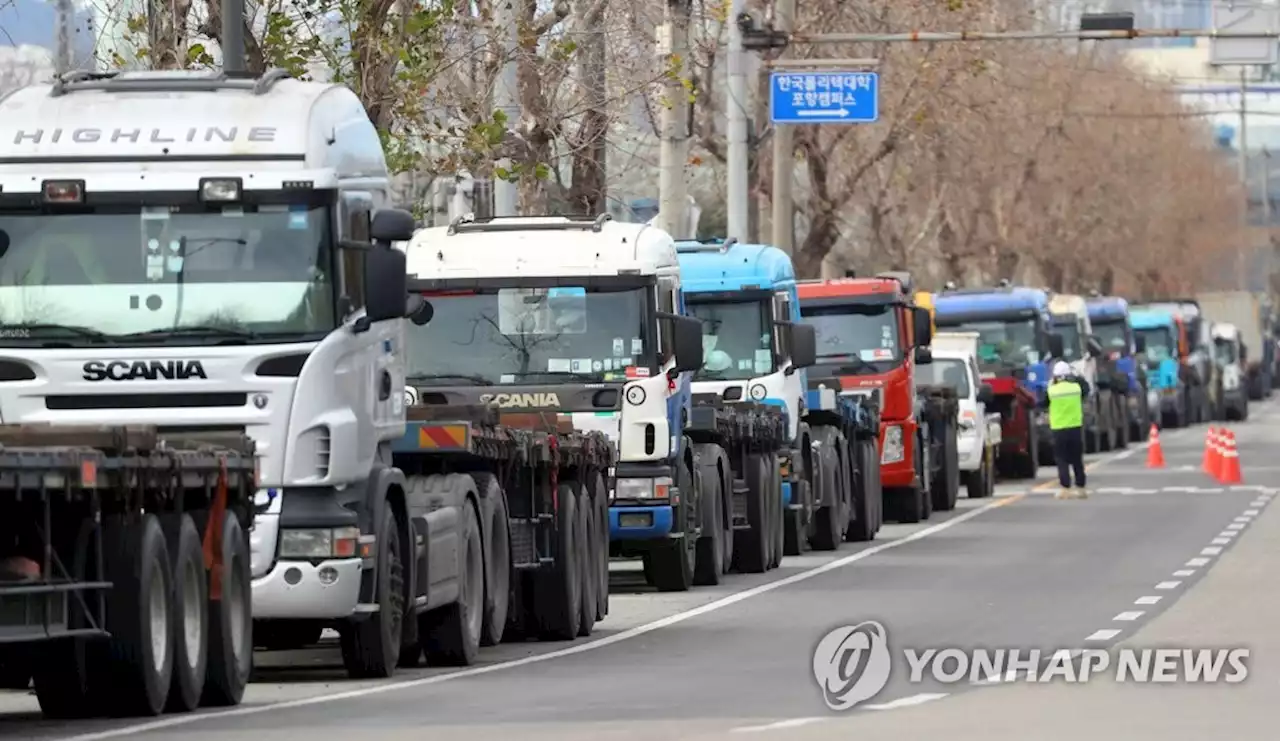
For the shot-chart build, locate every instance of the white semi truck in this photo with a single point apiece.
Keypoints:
(208, 253)
(1105, 413)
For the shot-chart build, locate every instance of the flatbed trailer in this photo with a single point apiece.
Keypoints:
(142, 602)
(736, 447)
(847, 431)
(941, 413)
(510, 529)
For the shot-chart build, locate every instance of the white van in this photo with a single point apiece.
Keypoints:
(955, 364)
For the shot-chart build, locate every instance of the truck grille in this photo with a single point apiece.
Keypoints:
(145, 401)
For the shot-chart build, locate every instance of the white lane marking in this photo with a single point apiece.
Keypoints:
(793, 723)
(1228, 534)
(626, 635)
(1128, 617)
(1210, 551)
(1185, 572)
(1251, 513)
(1235, 527)
(905, 702)
(1184, 489)
(1221, 540)
(1198, 562)
(1258, 503)
(1103, 635)
(1168, 585)
(1151, 600)
(1243, 519)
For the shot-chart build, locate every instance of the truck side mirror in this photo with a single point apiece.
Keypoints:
(1056, 347)
(923, 356)
(386, 287)
(804, 346)
(1139, 344)
(686, 333)
(419, 310)
(986, 394)
(391, 225)
(922, 328)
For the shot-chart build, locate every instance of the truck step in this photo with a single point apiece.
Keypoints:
(527, 565)
(532, 520)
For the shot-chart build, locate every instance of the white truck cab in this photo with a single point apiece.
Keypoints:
(192, 251)
(1228, 353)
(1071, 322)
(564, 315)
(955, 364)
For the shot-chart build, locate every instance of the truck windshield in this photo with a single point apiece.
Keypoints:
(1002, 342)
(947, 372)
(736, 341)
(1224, 351)
(868, 332)
(256, 271)
(1159, 343)
(1067, 328)
(1113, 335)
(534, 335)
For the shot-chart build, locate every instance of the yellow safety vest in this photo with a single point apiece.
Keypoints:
(1066, 405)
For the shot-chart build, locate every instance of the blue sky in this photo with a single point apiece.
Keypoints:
(31, 23)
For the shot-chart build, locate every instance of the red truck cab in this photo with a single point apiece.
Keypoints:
(868, 330)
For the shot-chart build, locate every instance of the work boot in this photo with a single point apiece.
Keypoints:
(17, 568)
(1062, 493)
(1082, 492)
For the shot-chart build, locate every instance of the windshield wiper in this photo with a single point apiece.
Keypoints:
(78, 331)
(192, 329)
(855, 362)
(590, 377)
(478, 380)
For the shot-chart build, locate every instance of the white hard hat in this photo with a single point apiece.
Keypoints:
(1061, 369)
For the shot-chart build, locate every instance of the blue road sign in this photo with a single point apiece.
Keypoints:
(824, 97)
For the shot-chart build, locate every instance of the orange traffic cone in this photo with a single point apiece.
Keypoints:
(1155, 455)
(1212, 452)
(1230, 472)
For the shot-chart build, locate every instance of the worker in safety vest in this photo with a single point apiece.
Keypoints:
(1067, 393)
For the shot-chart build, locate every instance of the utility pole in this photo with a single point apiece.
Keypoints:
(233, 60)
(735, 106)
(63, 59)
(673, 196)
(784, 154)
(506, 98)
(1245, 244)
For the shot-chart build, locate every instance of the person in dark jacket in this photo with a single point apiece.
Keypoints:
(1067, 393)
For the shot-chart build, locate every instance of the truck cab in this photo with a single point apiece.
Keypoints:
(197, 252)
(1230, 353)
(870, 337)
(1103, 419)
(578, 318)
(1196, 367)
(1013, 325)
(1164, 342)
(955, 364)
(1109, 316)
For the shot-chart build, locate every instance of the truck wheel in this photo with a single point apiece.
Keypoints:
(946, 487)
(559, 591)
(709, 558)
(600, 500)
(775, 489)
(908, 504)
(230, 621)
(710, 466)
(451, 634)
(751, 544)
(829, 519)
(863, 515)
(190, 610)
(139, 617)
(587, 564)
(673, 561)
(371, 647)
(68, 677)
(497, 560)
(977, 484)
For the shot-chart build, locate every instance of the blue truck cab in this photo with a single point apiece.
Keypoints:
(1013, 326)
(1109, 316)
(1159, 334)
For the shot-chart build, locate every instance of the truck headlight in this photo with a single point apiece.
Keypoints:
(1230, 383)
(893, 449)
(339, 542)
(642, 488)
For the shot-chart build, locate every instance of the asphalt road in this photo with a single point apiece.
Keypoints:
(1021, 571)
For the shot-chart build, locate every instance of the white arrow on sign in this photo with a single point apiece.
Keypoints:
(842, 113)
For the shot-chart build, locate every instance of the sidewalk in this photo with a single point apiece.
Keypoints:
(1235, 604)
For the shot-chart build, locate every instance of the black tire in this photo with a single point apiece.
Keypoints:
(558, 598)
(751, 544)
(709, 561)
(946, 487)
(587, 565)
(68, 676)
(189, 609)
(141, 662)
(371, 647)
(775, 488)
(863, 516)
(830, 520)
(673, 561)
(230, 621)
(1122, 424)
(497, 559)
(711, 458)
(978, 485)
(600, 501)
(451, 634)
